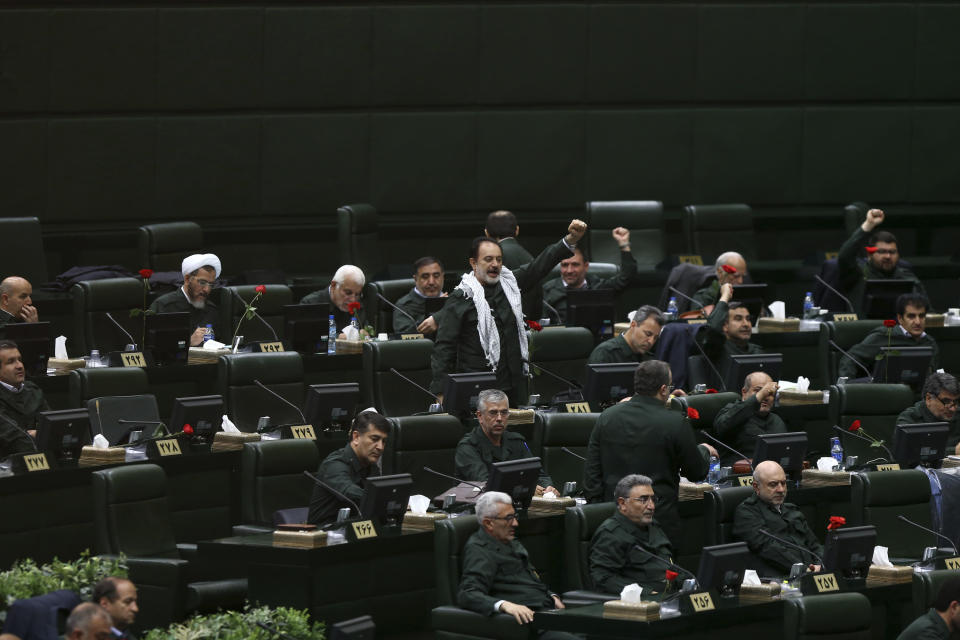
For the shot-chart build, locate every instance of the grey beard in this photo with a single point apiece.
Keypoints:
(199, 303)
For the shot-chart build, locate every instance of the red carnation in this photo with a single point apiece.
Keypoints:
(671, 575)
(353, 307)
(710, 391)
(534, 325)
(146, 273)
(728, 268)
(260, 288)
(889, 324)
(854, 426)
(836, 522)
(187, 429)
(871, 250)
(693, 413)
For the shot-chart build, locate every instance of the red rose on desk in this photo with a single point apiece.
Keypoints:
(728, 268)
(671, 575)
(260, 288)
(871, 249)
(534, 325)
(710, 391)
(353, 307)
(146, 273)
(889, 324)
(854, 426)
(836, 522)
(187, 429)
(693, 414)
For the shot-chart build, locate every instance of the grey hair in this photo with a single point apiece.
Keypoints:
(724, 258)
(83, 614)
(487, 504)
(349, 271)
(648, 311)
(627, 483)
(938, 382)
(489, 396)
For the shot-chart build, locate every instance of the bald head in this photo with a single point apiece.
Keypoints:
(761, 386)
(770, 482)
(727, 261)
(15, 294)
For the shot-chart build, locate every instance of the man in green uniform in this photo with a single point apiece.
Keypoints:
(16, 301)
(730, 268)
(345, 289)
(428, 284)
(20, 402)
(739, 423)
(943, 618)
(497, 576)
(882, 263)
(574, 275)
(502, 226)
(766, 510)
(941, 392)
(483, 327)
(490, 442)
(615, 560)
(200, 273)
(634, 344)
(728, 329)
(347, 468)
(642, 436)
(910, 331)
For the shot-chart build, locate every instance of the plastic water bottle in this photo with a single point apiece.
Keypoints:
(672, 310)
(808, 306)
(208, 333)
(836, 451)
(332, 337)
(713, 476)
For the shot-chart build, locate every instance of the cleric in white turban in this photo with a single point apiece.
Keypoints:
(200, 273)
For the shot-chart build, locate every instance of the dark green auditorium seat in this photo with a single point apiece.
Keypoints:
(925, 588)
(385, 390)
(357, 231)
(106, 381)
(449, 621)
(805, 353)
(570, 430)
(92, 300)
(878, 498)
(644, 219)
(579, 525)
(245, 402)
(708, 405)
(378, 312)
(271, 478)
(163, 246)
(712, 229)
(23, 253)
(563, 350)
(269, 307)
(876, 406)
(599, 269)
(423, 441)
(838, 616)
(721, 505)
(844, 335)
(132, 516)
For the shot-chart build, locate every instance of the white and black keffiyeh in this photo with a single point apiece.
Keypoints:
(486, 325)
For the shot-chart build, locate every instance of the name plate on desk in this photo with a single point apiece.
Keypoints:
(745, 481)
(691, 259)
(577, 407)
(303, 432)
(411, 336)
(845, 317)
(820, 583)
(270, 347)
(949, 563)
(361, 530)
(36, 462)
(168, 447)
(133, 359)
(893, 466)
(697, 602)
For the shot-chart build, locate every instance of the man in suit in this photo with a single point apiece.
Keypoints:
(345, 289)
(16, 301)
(428, 285)
(200, 272)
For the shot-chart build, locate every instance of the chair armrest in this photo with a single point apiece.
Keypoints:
(159, 571)
(188, 551)
(457, 620)
(580, 598)
(250, 529)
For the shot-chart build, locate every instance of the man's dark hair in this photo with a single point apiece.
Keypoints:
(648, 311)
(425, 261)
(650, 376)
(949, 592)
(883, 236)
(917, 300)
(479, 240)
(367, 420)
(8, 344)
(937, 383)
(501, 224)
(106, 588)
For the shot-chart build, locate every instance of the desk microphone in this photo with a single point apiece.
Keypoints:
(120, 326)
(686, 297)
(424, 389)
(726, 446)
(839, 295)
(857, 435)
(255, 314)
(855, 361)
(575, 455)
(273, 631)
(795, 546)
(555, 312)
(281, 398)
(332, 490)
(666, 563)
(940, 535)
(455, 479)
(396, 308)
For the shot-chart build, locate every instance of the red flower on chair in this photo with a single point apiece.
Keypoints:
(145, 273)
(854, 426)
(889, 324)
(534, 325)
(693, 414)
(260, 288)
(836, 522)
(671, 575)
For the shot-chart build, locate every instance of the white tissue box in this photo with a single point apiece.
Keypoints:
(94, 456)
(889, 575)
(554, 505)
(644, 610)
(300, 539)
(421, 521)
(224, 441)
(66, 365)
(817, 478)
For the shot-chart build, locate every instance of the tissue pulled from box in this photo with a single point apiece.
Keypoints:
(778, 309)
(826, 464)
(227, 425)
(631, 593)
(60, 348)
(213, 345)
(549, 495)
(350, 332)
(750, 578)
(100, 442)
(880, 557)
(418, 504)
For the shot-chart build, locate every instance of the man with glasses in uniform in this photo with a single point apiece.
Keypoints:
(941, 391)
(200, 273)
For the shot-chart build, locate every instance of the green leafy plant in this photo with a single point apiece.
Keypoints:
(242, 625)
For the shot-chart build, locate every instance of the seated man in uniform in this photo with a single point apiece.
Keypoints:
(615, 560)
(118, 597)
(20, 402)
(428, 283)
(497, 576)
(491, 442)
(728, 328)
(730, 268)
(766, 510)
(200, 273)
(88, 621)
(910, 331)
(16, 302)
(942, 620)
(634, 344)
(941, 392)
(574, 275)
(739, 423)
(345, 288)
(346, 468)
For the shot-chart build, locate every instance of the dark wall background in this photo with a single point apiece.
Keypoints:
(258, 120)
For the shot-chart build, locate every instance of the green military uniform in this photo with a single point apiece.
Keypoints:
(929, 626)
(555, 292)
(789, 523)
(853, 271)
(415, 305)
(615, 561)
(18, 412)
(739, 423)
(342, 318)
(475, 455)
(514, 257)
(617, 350)
(867, 350)
(494, 571)
(643, 436)
(458, 347)
(919, 414)
(6, 318)
(714, 340)
(343, 471)
(176, 302)
(709, 294)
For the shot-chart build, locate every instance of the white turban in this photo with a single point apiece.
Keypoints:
(198, 260)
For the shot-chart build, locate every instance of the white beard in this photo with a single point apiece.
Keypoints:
(199, 303)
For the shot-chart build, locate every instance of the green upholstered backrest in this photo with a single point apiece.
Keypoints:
(707, 405)
(563, 350)
(378, 312)
(804, 353)
(92, 299)
(163, 246)
(269, 306)
(644, 219)
(449, 538)
(879, 497)
(271, 477)
(423, 441)
(388, 392)
(876, 406)
(245, 402)
(570, 430)
(926, 585)
(844, 335)
(132, 512)
(838, 616)
(357, 230)
(716, 228)
(85, 384)
(721, 505)
(23, 253)
(579, 525)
